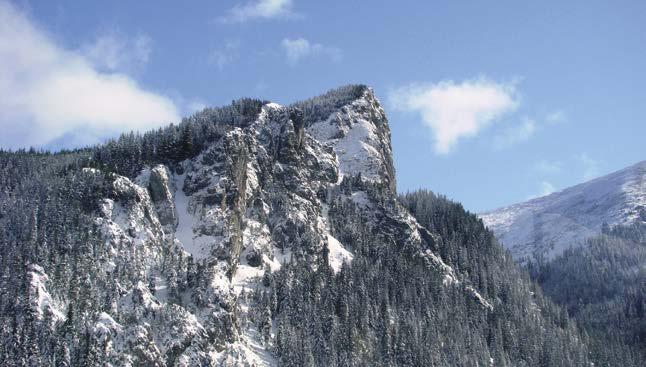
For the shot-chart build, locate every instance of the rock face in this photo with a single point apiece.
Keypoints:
(244, 205)
(548, 225)
(161, 194)
(360, 136)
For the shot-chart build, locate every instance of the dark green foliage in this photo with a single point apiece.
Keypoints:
(602, 284)
(390, 309)
(129, 153)
(320, 107)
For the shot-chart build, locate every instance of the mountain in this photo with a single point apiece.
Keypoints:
(586, 247)
(257, 234)
(548, 225)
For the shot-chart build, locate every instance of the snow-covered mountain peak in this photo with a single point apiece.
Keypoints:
(354, 126)
(360, 136)
(548, 225)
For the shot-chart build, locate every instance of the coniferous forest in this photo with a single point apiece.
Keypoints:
(602, 285)
(94, 271)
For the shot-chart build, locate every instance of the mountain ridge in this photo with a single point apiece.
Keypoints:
(547, 225)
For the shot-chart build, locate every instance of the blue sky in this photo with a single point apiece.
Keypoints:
(489, 103)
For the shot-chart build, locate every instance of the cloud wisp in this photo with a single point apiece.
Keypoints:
(516, 134)
(225, 55)
(260, 9)
(454, 111)
(556, 117)
(47, 92)
(528, 127)
(299, 49)
(548, 167)
(112, 51)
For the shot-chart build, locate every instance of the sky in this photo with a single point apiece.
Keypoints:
(489, 103)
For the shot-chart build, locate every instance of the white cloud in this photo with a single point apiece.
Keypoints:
(590, 166)
(225, 55)
(260, 9)
(456, 110)
(113, 51)
(300, 48)
(526, 129)
(47, 92)
(516, 134)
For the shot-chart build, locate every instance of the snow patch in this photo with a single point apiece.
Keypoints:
(246, 278)
(197, 246)
(337, 254)
(272, 105)
(281, 256)
(105, 326)
(360, 198)
(479, 298)
(354, 138)
(41, 299)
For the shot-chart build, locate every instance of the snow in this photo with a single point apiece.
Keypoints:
(438, 263)
(281, 256)
(254, 350)
(143, 178)
(355, 140)
(264, 119)
(106, 207)
(255, 237)
(337, 254)
(197, 246)
(450, 279)
(41, 299)
(90, 170)
(220, 281)
(246, 277)
(105, 326)
(360, 198)
(252, 181)
(553, 223)
(354, 150)
(479, 297)
(161, 288)
(272, 105)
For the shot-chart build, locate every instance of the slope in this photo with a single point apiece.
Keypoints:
(548, 225)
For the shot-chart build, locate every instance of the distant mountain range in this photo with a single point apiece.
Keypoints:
(548, 225)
